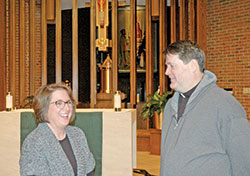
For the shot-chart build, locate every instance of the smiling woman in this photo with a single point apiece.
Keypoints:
(60, 115)
(55, 147)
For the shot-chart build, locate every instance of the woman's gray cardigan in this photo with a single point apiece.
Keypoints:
(42, 153)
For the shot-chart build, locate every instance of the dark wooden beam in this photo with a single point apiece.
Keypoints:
(22, 51)
(75, 49)
(182, 20)
(149, 51)
(163, 45)
(191, 20)
(44, 42)
(133, 87)
(58, 41)
(32, 46)
(173, 21)
(12, 46)
(202, 24)
(92, 54)
(114, 45)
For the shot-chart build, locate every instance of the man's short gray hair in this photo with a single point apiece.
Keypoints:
(187, 50)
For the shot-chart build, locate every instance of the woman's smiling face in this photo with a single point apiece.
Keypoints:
(59, 117)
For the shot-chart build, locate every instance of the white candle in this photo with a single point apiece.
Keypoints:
(117, 101)
(9, 102)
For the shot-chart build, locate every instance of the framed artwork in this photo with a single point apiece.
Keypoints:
(124, 38)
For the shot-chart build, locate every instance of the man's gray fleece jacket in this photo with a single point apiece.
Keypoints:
(212, 138)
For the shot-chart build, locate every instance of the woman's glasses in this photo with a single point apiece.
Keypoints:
(60, 103)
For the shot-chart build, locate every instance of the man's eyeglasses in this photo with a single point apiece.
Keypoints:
(60, 103)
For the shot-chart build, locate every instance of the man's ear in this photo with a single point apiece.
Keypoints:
(194, 66)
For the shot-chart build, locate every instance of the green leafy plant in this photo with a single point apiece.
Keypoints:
(28, 101)
(155, 103)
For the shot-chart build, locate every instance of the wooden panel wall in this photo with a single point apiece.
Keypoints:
(2, 55)
(22, 48)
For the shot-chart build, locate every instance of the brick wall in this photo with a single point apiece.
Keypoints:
(228, 46)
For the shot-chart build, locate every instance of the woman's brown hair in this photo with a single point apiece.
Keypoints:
(42, 100)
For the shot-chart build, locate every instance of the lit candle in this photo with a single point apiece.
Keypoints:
(9, 102)
(117, 101)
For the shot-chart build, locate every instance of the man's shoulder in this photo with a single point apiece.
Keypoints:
(226, 101)
(222, 95)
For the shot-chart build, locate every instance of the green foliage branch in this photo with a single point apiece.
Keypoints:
(155, 103)
(28, 101)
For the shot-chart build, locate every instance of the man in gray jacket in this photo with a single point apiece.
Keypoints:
(205, 130)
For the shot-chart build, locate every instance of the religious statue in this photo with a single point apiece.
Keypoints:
(124, 59)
